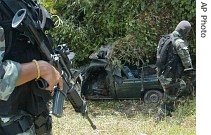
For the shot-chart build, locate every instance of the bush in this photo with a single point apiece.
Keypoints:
(89, 24)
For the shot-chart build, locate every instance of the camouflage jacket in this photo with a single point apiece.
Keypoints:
(182, 50)
(9, 71)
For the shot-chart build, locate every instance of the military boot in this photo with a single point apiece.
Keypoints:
(165, 110)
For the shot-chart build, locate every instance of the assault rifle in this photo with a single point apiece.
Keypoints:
(29, 25)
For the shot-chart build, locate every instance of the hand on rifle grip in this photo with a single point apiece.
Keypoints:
(41, 83)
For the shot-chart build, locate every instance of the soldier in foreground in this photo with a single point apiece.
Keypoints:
(23, 106)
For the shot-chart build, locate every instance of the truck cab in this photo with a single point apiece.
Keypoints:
(102, 80)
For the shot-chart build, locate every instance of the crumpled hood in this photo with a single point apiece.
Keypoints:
(183, 28)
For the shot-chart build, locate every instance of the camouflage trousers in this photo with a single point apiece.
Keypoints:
(172, 87)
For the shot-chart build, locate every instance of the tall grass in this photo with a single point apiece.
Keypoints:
(126, 117)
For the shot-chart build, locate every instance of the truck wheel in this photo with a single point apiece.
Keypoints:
(153, 96)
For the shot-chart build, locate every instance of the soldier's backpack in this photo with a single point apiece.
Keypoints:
(165, 43)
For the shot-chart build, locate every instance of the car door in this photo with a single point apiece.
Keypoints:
(130, 88)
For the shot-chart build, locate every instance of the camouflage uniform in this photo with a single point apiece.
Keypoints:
(25, 107)
(171, 80)
(9, 73)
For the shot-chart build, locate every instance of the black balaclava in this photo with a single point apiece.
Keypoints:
(183, 28)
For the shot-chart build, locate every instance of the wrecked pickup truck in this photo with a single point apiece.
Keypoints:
(102, 80)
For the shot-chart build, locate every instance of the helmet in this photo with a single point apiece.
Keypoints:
(183, 28)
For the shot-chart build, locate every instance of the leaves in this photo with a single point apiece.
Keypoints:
(88, 24)
(128, 51)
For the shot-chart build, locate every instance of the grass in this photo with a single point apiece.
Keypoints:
(126, 117)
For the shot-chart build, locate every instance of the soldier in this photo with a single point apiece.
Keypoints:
(23, 106)
(178, 61)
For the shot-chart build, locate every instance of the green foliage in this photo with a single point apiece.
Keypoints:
(88, 24)
(122, 50)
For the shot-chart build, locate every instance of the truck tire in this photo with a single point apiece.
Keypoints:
(153, 96)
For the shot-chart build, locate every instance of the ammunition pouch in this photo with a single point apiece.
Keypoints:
(17, 123)
(43, 124)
